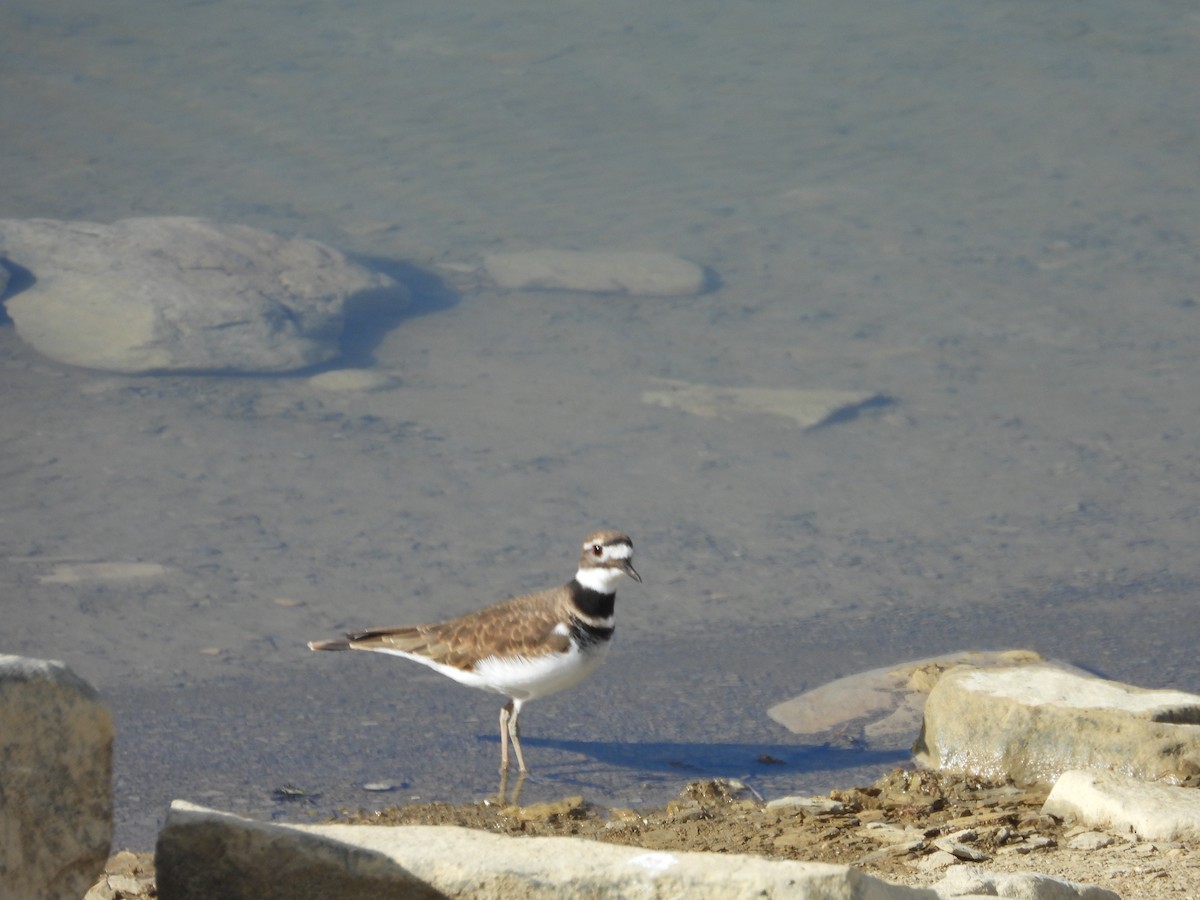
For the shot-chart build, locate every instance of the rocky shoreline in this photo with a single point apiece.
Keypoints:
(1096, 799)
(909, 828)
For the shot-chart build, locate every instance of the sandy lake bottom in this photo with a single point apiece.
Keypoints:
(986, 213)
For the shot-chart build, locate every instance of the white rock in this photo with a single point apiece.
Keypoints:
(56, 812)
(1154, 811)
(970, 881)
(1032, 723)
(179, 294)
(203, 854)
(596, 272)
(806, 407)
(815, 805)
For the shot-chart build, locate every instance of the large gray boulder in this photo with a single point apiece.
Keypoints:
(1032, 723)
(56, 809)
(179, 294)
(204, 854)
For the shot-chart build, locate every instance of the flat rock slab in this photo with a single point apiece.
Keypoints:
(596, 272)
(354, 381)
(1153, 811)
(203, 854)
(56, 807)
(79, 573)
(160, 294)
(1032, 723)
(884, 707)
(971, 881)
(807, 408)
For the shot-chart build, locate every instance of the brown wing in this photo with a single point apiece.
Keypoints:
(523, 626)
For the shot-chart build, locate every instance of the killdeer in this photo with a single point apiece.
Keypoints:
(522, 648)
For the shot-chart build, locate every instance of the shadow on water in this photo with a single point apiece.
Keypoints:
(369, 316)
(709, 760)
(19, 279)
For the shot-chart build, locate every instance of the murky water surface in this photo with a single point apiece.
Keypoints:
(985, 212)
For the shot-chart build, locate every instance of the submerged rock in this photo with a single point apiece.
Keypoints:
(179, 294)
(808, 408)
(354, 381)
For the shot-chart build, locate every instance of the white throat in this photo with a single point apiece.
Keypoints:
(600, 580)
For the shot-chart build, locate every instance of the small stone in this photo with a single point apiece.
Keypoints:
(1004, 834)
(892, 850)
(100, 891)
(569, 807)
(939, 859)
(961, 851)
(1091, 840)
(814, 805)
(125, 884)
(379, 786)
(1037, 842)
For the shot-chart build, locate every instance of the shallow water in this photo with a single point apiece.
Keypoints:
(986, 212)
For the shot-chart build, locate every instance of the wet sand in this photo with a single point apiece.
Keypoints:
(986, 213)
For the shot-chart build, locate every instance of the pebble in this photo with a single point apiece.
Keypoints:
(817, 805)
(1036, 842)
(1091, 840)
(939, 859)
(960, 850)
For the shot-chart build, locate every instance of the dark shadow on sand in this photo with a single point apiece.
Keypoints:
(707, 760)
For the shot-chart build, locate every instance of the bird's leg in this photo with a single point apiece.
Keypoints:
(514, 732)
(505, 713)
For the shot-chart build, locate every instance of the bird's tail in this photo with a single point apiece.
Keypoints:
(339, 644)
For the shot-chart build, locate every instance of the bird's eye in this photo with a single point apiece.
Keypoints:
(597, 550)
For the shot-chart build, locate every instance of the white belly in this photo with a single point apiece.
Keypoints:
(525, 678)
(522, 678)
